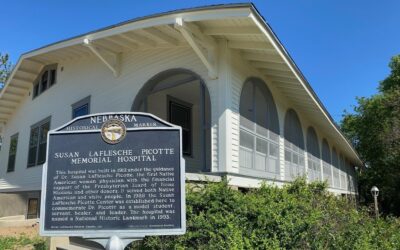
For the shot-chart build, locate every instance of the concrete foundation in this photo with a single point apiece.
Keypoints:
(14, 204)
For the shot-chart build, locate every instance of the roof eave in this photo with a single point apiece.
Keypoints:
(302, 78)
(243, 10)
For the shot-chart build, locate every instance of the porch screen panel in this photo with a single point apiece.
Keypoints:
(342, 173)
(314, 155)
(326, 162)
(351, 177)
(335, 168)
(259, 131)
(354, 179)
(294, 146)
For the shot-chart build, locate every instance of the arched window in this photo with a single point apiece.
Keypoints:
(314, 155)
(342, 173)
(326, 162)
(46, 79)
(181, 97)
(259, 130)
(335, 168)
(294, 146)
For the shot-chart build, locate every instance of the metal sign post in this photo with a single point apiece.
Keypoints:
(114, 178)
(114, 242)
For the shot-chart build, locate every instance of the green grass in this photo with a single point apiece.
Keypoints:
(12, 242)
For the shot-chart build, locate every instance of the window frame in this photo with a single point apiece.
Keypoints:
(50, 81)
(291, 150)
(37, 208)
(79, 104)
(313, 155)
(9, 170)
(335, 168)
(342, 172)
(314, 164)
(249, 126)
(326, 155)
(295, 145)
(188, 106)
(38, 125)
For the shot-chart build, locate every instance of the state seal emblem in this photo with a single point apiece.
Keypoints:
(113, 131)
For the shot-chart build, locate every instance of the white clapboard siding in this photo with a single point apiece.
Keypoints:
(89, 76)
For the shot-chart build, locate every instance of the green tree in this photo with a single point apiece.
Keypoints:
(5, 69)
(374, 129)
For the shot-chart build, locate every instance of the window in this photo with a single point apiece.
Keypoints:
(342, 173)
(81, 107)
(33, 208)
(326, 162)
(314, 155)
(180, 114)
(259, 131)
(294, 146)
(12, 153)
(38, 143)
(335, 169)
(46, 79)
(52, 77)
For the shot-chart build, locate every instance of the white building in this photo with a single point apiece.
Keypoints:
(246, 110)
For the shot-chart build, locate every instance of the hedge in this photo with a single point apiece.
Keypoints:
(297, 216)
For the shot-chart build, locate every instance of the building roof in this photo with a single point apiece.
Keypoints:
(240, 24)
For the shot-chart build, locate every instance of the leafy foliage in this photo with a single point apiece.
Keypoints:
(374, 129)
(392, 82)
(5, 69)
(297, 216)
(23, 242)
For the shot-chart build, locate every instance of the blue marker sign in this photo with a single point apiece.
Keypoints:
(114, 174)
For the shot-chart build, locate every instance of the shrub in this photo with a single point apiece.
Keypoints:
(22, 242)
(297, 216)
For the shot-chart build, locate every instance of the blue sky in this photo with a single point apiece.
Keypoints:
(342, 47)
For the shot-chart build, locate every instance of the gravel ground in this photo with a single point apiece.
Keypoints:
(30, 231)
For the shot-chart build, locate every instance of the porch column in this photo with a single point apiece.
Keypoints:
(223, 108)
(203, 127)
(282, 162)
(306, 165)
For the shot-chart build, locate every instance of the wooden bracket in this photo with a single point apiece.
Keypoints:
(110, 58)
(204, 46)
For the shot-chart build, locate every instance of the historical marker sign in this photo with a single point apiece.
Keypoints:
(114, 174)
